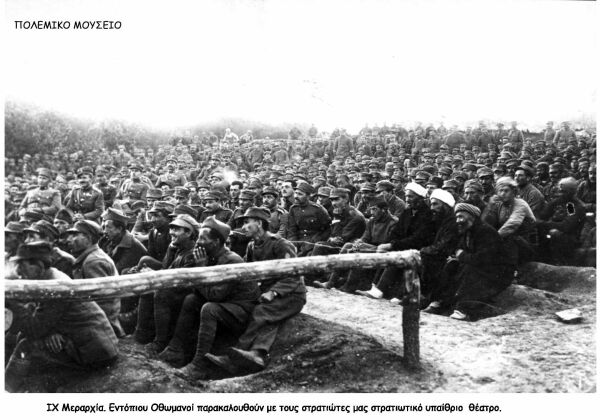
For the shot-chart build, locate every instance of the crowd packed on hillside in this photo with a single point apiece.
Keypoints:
(477, 203)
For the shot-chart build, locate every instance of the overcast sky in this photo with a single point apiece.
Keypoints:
(334, 63)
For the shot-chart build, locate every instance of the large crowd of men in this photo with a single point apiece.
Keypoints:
(477, 203)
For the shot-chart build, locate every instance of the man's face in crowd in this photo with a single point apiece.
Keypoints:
(554, 175)
(84, 180)
(181, 199)
(158, 219)
(464, 221)
(33, 236)
(135, 173)
(213, 163)
(61, 226)
(421, 180)
(339, 203)
(179, 235)
(376, 212)
(287, 190)
(300, 197)
(101, 179)
(77, 242)
(498, 174)
(210, 245)
(521, 178)
(43, 181)
(412, 199)
(472, 194)
(592, 175)
(487, 180)
(29, 269)
(437, 209)
(170, 168)
(251, 227)
(112, 232)
(270, 201)
(430, 188)
(211, 204)
(234, 191)
(245, 203)
(11, 241)
(505, 193)
(323, 200)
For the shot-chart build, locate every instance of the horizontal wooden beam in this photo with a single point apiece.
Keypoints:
(136, 284)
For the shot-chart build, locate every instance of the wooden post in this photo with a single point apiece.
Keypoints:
(410, 319)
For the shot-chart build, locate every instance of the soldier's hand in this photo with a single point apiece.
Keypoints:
(55, 343)
(200, 256)
(267, 297)
(384, 248)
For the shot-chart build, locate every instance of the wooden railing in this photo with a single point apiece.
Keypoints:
(137, 284)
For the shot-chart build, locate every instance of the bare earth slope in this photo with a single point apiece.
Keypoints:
(346, 343)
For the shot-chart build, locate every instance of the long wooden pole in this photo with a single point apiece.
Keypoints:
(137, 284)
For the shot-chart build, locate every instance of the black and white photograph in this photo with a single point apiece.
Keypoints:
(367, 206)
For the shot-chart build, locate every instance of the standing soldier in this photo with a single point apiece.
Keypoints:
(133, 188)
(549, 133)
(564, 135)
(85, 201)
(109, 192)
(43, 198)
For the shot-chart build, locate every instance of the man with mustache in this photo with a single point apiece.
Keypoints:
(478, 269)
(85, 201)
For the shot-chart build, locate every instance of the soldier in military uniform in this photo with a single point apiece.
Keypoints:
(44, 198)
(109, 192)
(281, 298)
(171, 178)
(85, 201)
(212, 201)
(278, 220)
(45, 231)
(133, 189)
(308, 222)
(549, 133)
(238, 240)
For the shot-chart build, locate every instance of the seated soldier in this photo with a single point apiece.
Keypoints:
(59, 333)
(227, 305)
(562, 221)
(280, 299)
(513, 219)
(377, 232)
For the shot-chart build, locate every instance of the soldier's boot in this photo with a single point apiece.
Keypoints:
(144, 330)
(174, 357)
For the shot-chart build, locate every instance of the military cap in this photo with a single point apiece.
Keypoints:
(512, 163)
(368, 187)
(450, 184)
(138, 205)
(319, 178)
(44, 172)
(499, 167)
(44, 227)
(85, 170)
(163, 206)
(384, 185)
(468, 208)
(221, 228)
(448, 159)
(469, 167)
(184, 209)
(474, 184)
(556, 166)
(218, 175)
(135, 165)
(247, 194)
(445, 170)
(203, 185)
(213, 195)
(185, 221)
(191, 185)
(171, 158)
(269, 190)
(430, 169)
(154, 193)
(423, 174)
(324, 191)
(435, 180)
(300, 175)
(560, 159)
(37, 251)
(305, 188)
(460, 174)
(506, 181)
(34, 214)
(65, 214)
(87, 227)
(14, 227)
(527, 168)
(181, 192)
(260, 213)
(339, 193)
(542, 164)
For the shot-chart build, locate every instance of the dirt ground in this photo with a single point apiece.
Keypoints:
(347, 343)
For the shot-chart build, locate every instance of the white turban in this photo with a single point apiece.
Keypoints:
(416, 188)
(444, 196)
